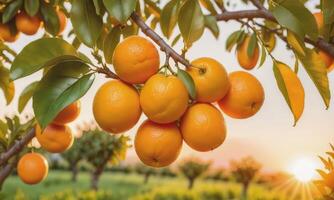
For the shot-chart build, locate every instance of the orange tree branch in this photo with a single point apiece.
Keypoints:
(17, 147)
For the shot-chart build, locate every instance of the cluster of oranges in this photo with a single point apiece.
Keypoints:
(172, 116)
(28, 25)
(57, 137)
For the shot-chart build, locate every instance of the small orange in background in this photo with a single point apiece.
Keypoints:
(62, 21)
(164, 99)
(135, 60)
(211, 79)
(203, 127)
(244, 60)
(6, 35)
(68, 114)
(55, 138)
(116, 106)
(158, 145)
(327, 59)
(32, 168)
(319, 18)
(245, 97)
(27, 24)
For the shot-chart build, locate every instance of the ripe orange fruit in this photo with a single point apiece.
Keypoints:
(32, 168)
(244, 60)
(245, 96)
(62, 21)
(116, 106)
(211, 79)
(164, 99)
(327, 59)
(55, 138)
(6, 35)
(27, 24)
(319, 18)
(203, 127)
(158, 145)
(135, 60)
(68, 114)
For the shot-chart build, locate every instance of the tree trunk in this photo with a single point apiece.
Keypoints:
(190, 183)
(244, 191)
(146, 177)
(95, 181)
(74, 170)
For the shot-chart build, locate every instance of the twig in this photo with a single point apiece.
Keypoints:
(17, 147)
(158, 40)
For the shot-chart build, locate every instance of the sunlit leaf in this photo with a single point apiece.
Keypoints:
(188, 82)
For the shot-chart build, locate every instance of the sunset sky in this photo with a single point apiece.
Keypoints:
(269, 136)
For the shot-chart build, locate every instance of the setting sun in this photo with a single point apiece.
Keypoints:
(303, 170)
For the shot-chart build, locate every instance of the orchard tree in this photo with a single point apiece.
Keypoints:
(99, 148)
(244, 171)
(174, 95)
(146, 171)
(73, 156)
(192, 169)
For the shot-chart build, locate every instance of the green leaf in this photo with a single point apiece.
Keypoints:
(209, 6)
(120, 9)
(232, 40)
(169, 16)
(263, 56)
(110, 43)
(291, 89)
(296, 65)
(86, 23)
(61, 86)
(6, 84)
(317, 71)
(252, 45)
(188, 82)
(11, 10)
(50, 18)
(176, 39)
(191, 22)
(98, 6)
(31, 7)
(296, 43)
(212, 25)
(38, 54)
(26, 95)
(293, 15)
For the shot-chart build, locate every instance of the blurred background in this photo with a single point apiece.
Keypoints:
(264, 155)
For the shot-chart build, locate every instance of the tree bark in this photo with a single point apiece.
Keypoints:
(147, 177)
(96, 175)
(244, 191)
(74, 169)
(191, 183)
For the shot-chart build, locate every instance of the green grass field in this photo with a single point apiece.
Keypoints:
(123, 187)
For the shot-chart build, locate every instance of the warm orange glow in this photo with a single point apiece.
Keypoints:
(304, 170)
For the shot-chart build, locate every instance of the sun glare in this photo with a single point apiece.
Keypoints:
(303, 170)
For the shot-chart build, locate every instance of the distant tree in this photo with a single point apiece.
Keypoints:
(326, 183)
(146, 171)
(167, 172)
(193, 169)
(244, 172)
(100, 148)
(218, 175)
(73, 156)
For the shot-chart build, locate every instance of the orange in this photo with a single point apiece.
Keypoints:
(164, 99)
(327, 59)
(211, 79)
(55, 138)
(245, 97)
(158, 145)
(62, 21)
(244, 60)
(135, 60)
(32, 168)
(27, 24)
(6, 35)
(203, 127)
(319, 18)
(116, 106)
(68, 114)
